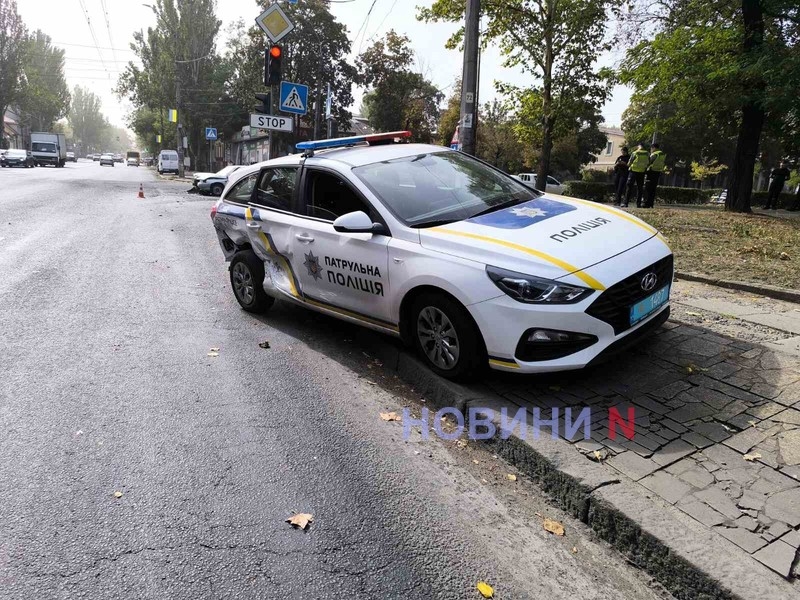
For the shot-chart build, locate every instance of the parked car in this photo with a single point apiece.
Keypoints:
(71, 157)
(18, 158)
(95, 157)
(458, 259)
(553, 185)
(107, 159)
(168, 161)
(213, 183)
(118, 158)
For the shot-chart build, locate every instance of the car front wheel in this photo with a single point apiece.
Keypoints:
(216, 189)
(247, 281)
(446, 337)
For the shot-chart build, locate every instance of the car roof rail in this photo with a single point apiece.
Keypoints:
(375, 139)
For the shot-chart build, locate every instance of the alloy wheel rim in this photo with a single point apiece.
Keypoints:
(438, 338)
(243, 283)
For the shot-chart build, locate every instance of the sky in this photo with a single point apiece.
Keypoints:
(96, 34)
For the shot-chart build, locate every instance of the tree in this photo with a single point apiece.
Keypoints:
(399, 98)
(86, 120)
(450, 116)
(729, 70)
(44, 96)
(497, 141)
(12, 42)
(555, 41)
(706, 169)
(315, 54)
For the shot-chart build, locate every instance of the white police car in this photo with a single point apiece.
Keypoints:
(459, 259)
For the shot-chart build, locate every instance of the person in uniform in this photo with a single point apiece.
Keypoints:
(637, 167)
(658, 162)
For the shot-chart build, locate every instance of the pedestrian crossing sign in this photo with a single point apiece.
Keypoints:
(294, 98)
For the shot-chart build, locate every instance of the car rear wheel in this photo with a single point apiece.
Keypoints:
(446, 337)
(216, 189)
(247, 281)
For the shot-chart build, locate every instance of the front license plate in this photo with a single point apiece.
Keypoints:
(649, 305)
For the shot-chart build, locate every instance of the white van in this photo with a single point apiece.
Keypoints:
(168, 161)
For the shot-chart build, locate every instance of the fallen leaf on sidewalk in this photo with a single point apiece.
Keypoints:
(600, 455)
(300, 520)
(391, 416)
(117, 494)
(553, 526)
(485, 589)
(511, 477)
(264, 345)
(751, 457)
(213, 352)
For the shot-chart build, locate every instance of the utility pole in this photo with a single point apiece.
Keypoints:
(469, 78)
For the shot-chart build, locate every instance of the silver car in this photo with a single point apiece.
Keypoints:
(213, 183)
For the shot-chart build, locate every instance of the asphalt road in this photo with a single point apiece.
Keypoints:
(110, 305)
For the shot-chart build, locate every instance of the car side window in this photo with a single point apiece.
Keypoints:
(243, 190)
(328, 197)
(276, 188)
(551, 181)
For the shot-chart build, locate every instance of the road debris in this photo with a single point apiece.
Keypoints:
(213, 352)
(553, 527)
(511, 477)
(751, 457)
(117, 494)
(391, 416)
(264, 345)
(300, 520)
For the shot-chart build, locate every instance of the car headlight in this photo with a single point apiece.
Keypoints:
(536, 290)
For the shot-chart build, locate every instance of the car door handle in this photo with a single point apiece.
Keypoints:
(304, 237)
(253, 225)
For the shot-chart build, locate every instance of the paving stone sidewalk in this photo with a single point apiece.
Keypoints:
(717, 432)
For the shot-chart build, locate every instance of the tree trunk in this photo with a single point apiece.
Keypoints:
(740, 181)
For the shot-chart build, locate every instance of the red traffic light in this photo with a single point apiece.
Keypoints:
(275, 51)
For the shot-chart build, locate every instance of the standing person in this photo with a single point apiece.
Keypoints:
(621, 170)
(637, 166)
(777, 178)
(658, 162)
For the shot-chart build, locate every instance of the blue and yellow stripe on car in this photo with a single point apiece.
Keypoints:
(622, 215)
(506, 363)
(571, 269)
(269, 246)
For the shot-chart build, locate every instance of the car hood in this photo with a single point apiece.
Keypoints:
(546, 236)
(202, 176)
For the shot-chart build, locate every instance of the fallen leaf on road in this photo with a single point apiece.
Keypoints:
(553, 526)
(476, 461)
(214, 349)
(751, 457)
(264, 345)
(485, 589)
(213, 354)
(391, 416)
(511, 477)
(693, 314)
(79, 432)
(300, 520)
(574, 550)
(117, 494)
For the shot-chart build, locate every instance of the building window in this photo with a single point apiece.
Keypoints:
(609, 148)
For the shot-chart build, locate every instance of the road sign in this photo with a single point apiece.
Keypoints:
(294, 98)
(274, 23)
(211, 133)
(272, 122)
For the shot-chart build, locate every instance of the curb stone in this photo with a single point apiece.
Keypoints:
(762, 289)
(689, 560)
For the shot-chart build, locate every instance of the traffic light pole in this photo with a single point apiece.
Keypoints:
(469, 78)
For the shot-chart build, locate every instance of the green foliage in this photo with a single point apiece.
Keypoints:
(87, 121)
(315, 54)
(44, 95)
(13, 36)
(595, 191)
(399, 98)
(557, 42)
(595, 176)
(451, 115)
(785, 200)
(497, 141)
(706, 170)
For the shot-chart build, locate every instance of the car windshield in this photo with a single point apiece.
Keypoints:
(441, 187)
(16, 153)
(225, 172)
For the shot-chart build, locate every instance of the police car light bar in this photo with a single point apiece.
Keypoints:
(352, 141)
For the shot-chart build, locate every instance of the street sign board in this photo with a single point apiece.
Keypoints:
(272, 122)
(294, 98)
(211, 133)
(274, 23)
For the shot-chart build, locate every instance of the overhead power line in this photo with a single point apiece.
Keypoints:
(386, 16)
(364, 26)
(91, 30)
(108, 28)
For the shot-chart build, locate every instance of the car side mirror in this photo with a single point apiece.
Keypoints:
(358, 222)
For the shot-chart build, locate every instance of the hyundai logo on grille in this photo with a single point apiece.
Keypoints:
(649, 282)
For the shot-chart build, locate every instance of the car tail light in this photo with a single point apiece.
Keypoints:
(213, 212)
